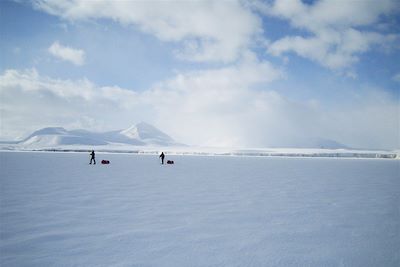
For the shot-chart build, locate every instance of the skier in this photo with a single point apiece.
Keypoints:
(162, 156)
(92, 157)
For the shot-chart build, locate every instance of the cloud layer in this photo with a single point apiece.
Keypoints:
(216, 107)
(207, 30)
(74, 56)
(337, 34)
(214, 31)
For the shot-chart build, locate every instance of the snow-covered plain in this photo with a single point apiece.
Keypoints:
(56, 210)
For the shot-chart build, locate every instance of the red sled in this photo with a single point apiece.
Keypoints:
(105, 161)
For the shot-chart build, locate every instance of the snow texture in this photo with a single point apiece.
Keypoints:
(204, 151)
(57, 210)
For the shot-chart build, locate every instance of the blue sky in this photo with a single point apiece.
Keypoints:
(215, 73)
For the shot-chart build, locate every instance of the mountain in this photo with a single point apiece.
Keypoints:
(327, 143)
(53, 136)
(147, 133)
(141, 134)
(313, 143)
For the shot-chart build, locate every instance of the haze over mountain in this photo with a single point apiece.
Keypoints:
(141, 134)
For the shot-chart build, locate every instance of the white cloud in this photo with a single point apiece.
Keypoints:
(209, 30)
(335, 51)
(30, 81)
(331, 13)
(30, 101)
(337, 34)
(75, 56)
(219, 107)
(213, 107)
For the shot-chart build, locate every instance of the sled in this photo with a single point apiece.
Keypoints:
(170, 162)
(105, 161)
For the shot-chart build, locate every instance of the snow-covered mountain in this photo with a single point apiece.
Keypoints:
(141, 134)
(147, 133)
(312, 142)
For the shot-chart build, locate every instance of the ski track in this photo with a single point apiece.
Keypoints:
(57, 210)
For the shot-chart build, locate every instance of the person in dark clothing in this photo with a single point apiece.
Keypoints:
(92, 157)
(162, 156)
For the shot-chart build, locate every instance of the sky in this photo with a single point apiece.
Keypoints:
(208, 73)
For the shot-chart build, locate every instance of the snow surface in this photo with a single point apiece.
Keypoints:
(206, 151)
(56, 210)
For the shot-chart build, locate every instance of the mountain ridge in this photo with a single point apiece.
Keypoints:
(141, 134)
